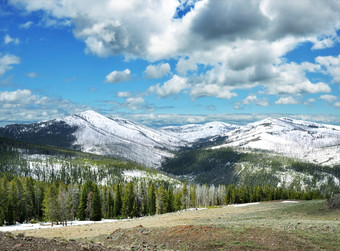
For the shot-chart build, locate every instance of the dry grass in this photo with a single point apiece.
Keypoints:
(270, 225)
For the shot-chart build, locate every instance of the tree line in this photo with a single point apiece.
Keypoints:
(24, 199)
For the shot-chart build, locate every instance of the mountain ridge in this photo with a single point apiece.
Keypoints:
(92, 132)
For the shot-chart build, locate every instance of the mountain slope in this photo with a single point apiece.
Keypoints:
(47, 164)
(196, 133)
(252, 168)
(308, 141)
(94, 133)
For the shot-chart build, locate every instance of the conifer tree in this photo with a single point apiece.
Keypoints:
(161, 201)
(29, 198)
(17, 206)
(3, 200)
(87, 188)
(170, 198)
(117, 208)
(151, 199)
(96, 214)
(128, 201)
(50, 204)
(178, 201)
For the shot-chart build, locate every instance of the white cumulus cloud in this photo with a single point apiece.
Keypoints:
(157, 71)
(119, 76)
(23, 106)
(286, 101)
(8, 39)
(171, 87)
(6, 62)
(328, 98)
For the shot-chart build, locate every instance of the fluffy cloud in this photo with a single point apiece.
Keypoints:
(243, 43)
(328, 98)
(157, 71)
(134, 103)
(253, 99)
(286, 101)
(171, 87)
(6, 62)
(22, 105)
(291, 79)
(185, 65)
(331, 65)
(124, 94)
(211, 90)
(8, 39)
(118, 76)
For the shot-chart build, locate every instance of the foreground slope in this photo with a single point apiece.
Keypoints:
(303, 225)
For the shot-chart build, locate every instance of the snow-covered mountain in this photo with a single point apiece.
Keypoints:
(312, 142)
(195, 132)
(94, 133)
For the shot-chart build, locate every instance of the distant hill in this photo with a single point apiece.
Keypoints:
(252, 168)
(47, 164)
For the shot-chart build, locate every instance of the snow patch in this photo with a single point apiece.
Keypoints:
(244, 205)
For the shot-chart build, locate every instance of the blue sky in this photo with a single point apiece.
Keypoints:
(170, 62)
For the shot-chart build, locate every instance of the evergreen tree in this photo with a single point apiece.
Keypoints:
(3, 199)
(87, 188)
(170, 202)
(117, 208)
(185, 200)
(161, 201)
(29, 198)
(151, 199)
(50, 204)
(193, 196)
(17, 206)
(178, 201)
(96, 205)
(128, 201)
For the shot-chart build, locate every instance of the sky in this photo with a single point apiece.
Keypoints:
(170, 62)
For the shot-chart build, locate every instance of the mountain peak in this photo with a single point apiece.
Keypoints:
(89, 113)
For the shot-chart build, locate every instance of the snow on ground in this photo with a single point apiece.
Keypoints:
(244, 205)
(290, 201)
(29, 226)
(131, 174)
(304, 140)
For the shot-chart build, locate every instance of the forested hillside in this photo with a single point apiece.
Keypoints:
(252, 168)
(24, 199)
(49, 164)
(40, 183)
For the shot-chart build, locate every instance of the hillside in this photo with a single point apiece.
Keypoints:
(47, 164)
(296, 225)
(307, 141)
(252, 168)
(94, 133)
